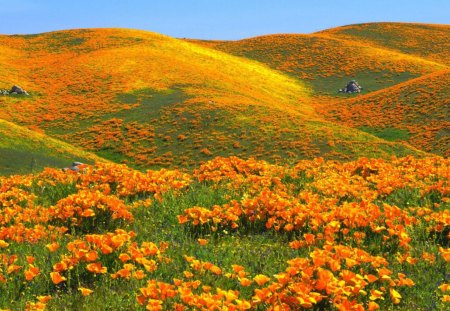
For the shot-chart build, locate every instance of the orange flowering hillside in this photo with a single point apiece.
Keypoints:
(326, 61)
(235, 234)
(149, 100)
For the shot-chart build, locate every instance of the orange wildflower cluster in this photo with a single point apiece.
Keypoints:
(346, 235)
(341, 196)
(326, 278)
(27, 218)
(91, 249)
(192, 294)
(338, 203)
(320, 280)
(39, 305)
(22, 219)
(86, 203)
(130, 139)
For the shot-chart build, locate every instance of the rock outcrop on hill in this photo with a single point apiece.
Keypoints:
(14, 90)
(352, 87)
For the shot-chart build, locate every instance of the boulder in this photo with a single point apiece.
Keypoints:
(18, 90)
(352, 87)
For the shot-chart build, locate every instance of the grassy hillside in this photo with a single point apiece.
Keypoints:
(328, 63)
(149, 100)
(25, 151)
(425, 40)
(416, 111)
(362, 235)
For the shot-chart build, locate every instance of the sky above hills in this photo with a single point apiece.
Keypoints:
(213, 19)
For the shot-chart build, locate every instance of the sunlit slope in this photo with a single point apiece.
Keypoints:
(425, 40)
(328, 63)
(417, 111)
(26, 151)
(147, 99)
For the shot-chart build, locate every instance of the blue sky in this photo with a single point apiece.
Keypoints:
(213, 19)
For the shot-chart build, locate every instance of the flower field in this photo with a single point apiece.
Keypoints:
(226, 175)
(232, 235)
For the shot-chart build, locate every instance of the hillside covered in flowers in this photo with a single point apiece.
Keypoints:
(149, 100)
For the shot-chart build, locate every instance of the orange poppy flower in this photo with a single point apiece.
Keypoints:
(57, 278)
(96, 268)
(13, 268)
(261, 279)
(395, 296)
(202, 242)
(44, 299)
(85, 291)
(31, 273)
(245, 281)
(52, 247)
(373, 306)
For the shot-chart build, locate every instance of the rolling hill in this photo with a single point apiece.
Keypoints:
(146, 99)
(24, 151)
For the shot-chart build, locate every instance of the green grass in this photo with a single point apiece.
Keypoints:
(15, 161)
(370, 81)
(388, 133)
(151, 104)
(23, 151)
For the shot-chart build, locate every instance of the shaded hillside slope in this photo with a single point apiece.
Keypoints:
(417, 111)
(24, 151)
(151, 100)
